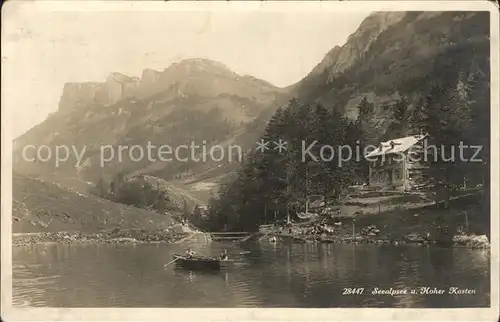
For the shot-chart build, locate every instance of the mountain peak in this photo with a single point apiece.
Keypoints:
(201, 64)
(202, 76)
(121, 78)
(340, 58)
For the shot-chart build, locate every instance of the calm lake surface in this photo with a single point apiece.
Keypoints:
(273, 275)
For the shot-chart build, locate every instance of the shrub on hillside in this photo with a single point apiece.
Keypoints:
(136, 192)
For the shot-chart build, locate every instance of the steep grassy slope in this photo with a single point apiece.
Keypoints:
(40, 206)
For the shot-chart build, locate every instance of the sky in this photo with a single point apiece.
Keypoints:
(44, 47)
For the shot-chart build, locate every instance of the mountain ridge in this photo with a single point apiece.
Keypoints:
(118, 86)
(398, 61)
(191, 100)
(343, 56)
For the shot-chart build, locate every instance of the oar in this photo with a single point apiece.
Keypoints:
(165, 265)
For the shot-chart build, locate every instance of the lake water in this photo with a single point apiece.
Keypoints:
(273, 275)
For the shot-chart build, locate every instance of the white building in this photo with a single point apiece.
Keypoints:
(395, 164)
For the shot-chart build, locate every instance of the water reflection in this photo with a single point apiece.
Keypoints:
(272, 275)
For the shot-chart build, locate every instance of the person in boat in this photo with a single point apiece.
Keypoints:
(189, 253)
(224, 256)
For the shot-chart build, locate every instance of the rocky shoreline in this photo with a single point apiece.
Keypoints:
(467, 241)
(121, 236)
(116, 236)
(426, 226)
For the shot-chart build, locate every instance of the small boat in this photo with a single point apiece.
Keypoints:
(200, 262)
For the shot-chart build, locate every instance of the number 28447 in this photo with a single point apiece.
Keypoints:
(353, 291)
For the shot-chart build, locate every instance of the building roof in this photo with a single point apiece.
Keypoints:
(396, 145)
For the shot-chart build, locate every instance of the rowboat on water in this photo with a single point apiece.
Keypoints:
(201, 262)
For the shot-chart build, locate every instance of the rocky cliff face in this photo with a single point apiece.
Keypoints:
(191, 76)
(116, 87)
(195, 100)
(76, 95)
(342, 57)
(396, 54)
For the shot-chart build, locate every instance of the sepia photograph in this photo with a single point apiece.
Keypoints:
(251, 155)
